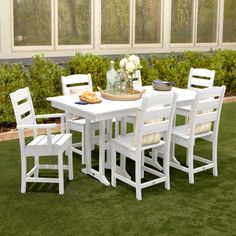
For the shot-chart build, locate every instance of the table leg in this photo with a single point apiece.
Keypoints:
(99, 175)
(109, 137)
(87, 147)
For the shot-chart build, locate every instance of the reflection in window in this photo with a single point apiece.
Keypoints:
(207, 21)
(229, 30)
(74, 22)
(115, 23)
(181, 21)
(32, 22)
(147, 21)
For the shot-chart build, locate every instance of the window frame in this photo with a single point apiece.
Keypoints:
(34, 47)
(148, 45)
(217, 27)
(74, 46)
(116, 46)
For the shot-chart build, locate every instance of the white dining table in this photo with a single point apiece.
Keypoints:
(106, 111)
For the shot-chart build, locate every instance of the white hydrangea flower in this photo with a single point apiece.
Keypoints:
(123, 62)
(134, 59)
(130, 67)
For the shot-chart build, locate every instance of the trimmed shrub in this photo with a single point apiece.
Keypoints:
(97, 66)
(12, 77)
(45, 81)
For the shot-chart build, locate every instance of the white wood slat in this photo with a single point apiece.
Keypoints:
(73, 79)
(211, 92)
(61, 140)
(157, 114)
(202, 72)
(39, 139)
(158, 127)
(206, 105)
(24, 107)
(20, 95)
(200, 82)
(28, 120)
(205, 118)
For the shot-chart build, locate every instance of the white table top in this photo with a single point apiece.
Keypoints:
(109, 109)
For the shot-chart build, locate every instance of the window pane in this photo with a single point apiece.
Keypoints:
(229, 32)
(115, 21)
(32, 22)
(74, 22)
(181, 21)
(147, 21)
(207, 19)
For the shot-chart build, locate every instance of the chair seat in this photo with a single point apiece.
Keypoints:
(181, 131)
(78, 125)
(59, 142)
(127, 141)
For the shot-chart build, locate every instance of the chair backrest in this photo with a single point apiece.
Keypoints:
(155, 116)
(138, 81)
(76, 80)
(23, 107)
(200, 78)
(206, 108)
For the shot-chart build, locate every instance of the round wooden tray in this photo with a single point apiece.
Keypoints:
(134, 95)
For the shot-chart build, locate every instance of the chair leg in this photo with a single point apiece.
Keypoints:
(166, 170)
(190, 165)
(138, 178)
(214, 157)
(36, 163)
(23, 174)
(142, 166)
(70, 163)
(82, 146)
(113, 165)
(60, 173)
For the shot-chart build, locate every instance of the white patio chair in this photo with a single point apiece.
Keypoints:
(205, 112)
(72, 85)
(41, 145)
(154, 120)
(129, 119)
(198, 79)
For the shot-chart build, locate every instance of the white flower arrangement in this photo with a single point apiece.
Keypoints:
(129, 65)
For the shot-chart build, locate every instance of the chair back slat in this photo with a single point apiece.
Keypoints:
(205, 118)
(23, 107)
(68, 81)
(200, 82)
(155, 116)
(138, 81)
(207, 105)
(159, 113)
(163, 100)
(206, 108)
(155, 127)
(201, 78)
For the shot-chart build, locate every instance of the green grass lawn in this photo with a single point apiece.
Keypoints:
(89, 208)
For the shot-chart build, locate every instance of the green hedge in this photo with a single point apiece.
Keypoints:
(44, 76)
(44, 81)
(12, 77)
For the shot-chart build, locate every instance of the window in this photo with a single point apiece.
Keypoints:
(207, 21)
(147, 21)
(229, 27)
(115, 21)
(182, 21)
(74, 22)
(32, 22)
